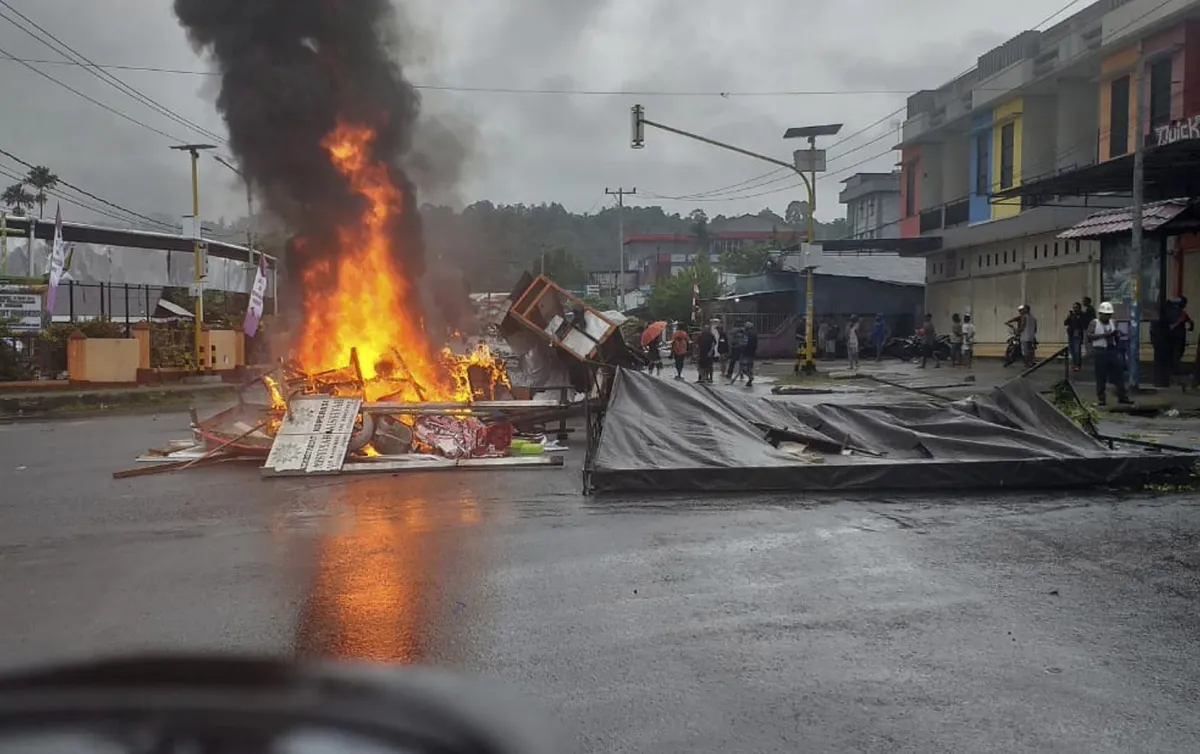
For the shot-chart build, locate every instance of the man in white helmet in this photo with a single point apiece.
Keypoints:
(1105, 340)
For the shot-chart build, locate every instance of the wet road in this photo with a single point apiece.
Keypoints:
(763, 624)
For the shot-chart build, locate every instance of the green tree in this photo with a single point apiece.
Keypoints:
(563, 268)
(744, 260)
(796, 214)
(17, 199)
(700, 229)
(41, 180)
(671, 298)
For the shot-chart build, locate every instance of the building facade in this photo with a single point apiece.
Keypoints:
(1040, 108)
(872, 205)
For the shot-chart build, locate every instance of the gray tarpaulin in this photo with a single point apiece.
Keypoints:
(666, 435)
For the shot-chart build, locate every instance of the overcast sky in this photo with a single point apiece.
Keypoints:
(528, 148)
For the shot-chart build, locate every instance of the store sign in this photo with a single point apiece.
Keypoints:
(1179, 130)
(21, 310)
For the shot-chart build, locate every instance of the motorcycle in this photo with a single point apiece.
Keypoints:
(1012, 348)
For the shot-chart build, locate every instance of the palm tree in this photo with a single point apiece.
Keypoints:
(17, 199)
(41, 180)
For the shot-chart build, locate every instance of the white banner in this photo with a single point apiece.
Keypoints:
(258, 293)
(58, 259)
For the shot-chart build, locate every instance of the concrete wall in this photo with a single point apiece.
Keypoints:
(991, 281)
(1114, 66)
(1039, 125)
(931, 194)
(1009, 112)
(910, 223)
(103, 360)
(956, 167)
(981, 136)
(1076, 124)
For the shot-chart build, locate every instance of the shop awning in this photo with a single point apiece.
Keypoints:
(1169, 170)
(1109, 222)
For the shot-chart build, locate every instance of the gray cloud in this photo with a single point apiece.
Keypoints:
(516, 147)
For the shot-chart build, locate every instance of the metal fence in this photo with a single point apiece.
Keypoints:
(27, 356)
(763, 323)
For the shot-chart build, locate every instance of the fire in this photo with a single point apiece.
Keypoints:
(365, 326)
(371, 307)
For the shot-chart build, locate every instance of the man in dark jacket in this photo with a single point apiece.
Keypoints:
(736, 339)
(749, 351)
(1077, 325)
(706, 348)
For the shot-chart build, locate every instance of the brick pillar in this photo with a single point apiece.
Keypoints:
(77, 357)
(141, 333)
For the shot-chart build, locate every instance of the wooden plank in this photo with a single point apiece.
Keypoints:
(391, 466)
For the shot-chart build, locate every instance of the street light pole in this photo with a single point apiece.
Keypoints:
(249, 208)
(814, 162)
(197, 251)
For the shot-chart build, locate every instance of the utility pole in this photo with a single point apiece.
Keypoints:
(197, 252)
(621, 193)
(1135, 251)
(806, 163)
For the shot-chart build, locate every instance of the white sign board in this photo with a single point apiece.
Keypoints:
(21, 311)
(314, 436)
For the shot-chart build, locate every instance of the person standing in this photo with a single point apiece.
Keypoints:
(956, 340)
(736, 339)
(968, 331)
(1181, 325)
(823, 339)
(749, 351)
(706, 353)
(831, 335)
(1076, 327)
(1105, 341)
(679, 348)
(722, 354)
(929, 343)
(852, 343)
(879, 335)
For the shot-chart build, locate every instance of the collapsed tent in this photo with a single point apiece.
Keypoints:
(664, 435)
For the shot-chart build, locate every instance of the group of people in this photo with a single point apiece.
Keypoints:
(733, 352)
(962, 341)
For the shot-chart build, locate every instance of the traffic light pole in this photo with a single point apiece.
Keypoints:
(638, 141)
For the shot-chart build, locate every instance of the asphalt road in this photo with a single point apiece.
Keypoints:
(975, 624)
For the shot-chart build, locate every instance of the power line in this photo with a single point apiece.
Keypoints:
(73, 55)
(90, 195)
(93, 100)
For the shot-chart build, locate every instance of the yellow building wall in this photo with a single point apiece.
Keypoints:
(1116, 65)
(1009, 112)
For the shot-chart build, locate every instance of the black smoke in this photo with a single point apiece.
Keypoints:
(290, 70)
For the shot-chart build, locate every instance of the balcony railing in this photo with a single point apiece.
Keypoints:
(957, 213)
(931, 219)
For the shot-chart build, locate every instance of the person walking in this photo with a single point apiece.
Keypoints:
(929, 344)
(879, 335)
(1105, 340)
(852, 353)
(706, 354)
(679, 348)
(968, 348)
(1076, 328)
(749, 351)
(956, 340)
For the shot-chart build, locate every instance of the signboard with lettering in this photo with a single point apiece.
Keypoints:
(20, 309)
(314, 436)
(1179, 130)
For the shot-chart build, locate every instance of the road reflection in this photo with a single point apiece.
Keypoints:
(384, 562)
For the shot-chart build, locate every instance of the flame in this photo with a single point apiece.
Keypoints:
(371, 305)
(362, 323)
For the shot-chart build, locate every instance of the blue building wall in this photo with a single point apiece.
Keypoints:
(981, 134)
